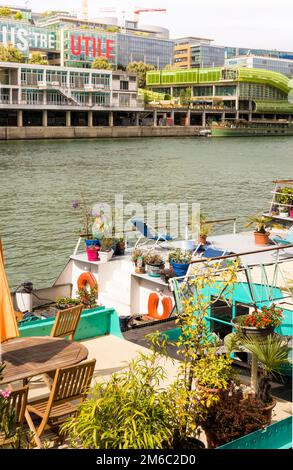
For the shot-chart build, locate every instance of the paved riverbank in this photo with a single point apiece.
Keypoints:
(35, 132)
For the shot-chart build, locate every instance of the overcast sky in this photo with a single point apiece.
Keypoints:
(251, 23)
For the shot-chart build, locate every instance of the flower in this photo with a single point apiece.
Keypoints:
(5, 393)
(267, 316)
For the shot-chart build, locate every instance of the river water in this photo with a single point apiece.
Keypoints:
(40, 179)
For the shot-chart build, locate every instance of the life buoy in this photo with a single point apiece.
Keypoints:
(153, 304)
(86, 279)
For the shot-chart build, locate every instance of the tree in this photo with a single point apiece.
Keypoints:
(102, 63)
(140, 68)
(10, 54)
(185, 96)
(5, 12)
(18, 16)
(37, 58)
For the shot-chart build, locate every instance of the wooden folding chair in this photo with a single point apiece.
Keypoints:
(70, 385)
(15, 409)
(66, 322)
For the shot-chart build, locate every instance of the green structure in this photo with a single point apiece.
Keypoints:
(225, 93)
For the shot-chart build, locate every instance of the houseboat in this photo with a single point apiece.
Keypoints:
(253, 128)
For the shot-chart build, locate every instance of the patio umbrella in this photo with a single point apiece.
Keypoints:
(8, 324)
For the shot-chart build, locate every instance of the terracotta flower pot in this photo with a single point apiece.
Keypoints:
(261, 238)
(202, 239)
(267, 411)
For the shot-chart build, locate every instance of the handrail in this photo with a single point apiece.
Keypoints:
(244, 253)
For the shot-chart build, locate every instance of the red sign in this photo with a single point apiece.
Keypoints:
(92, 46)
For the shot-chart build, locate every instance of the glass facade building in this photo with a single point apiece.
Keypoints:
(276, 65)
(135, 48)
(207, 56)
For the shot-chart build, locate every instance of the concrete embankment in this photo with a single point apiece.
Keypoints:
(28, 133)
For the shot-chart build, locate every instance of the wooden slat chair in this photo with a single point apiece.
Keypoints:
(15, 407)
(69, 388)
(66, 322)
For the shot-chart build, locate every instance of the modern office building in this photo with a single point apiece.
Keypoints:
(192, 52)
(36, 95)
(225, 93)
(69, 41)
(283, 66)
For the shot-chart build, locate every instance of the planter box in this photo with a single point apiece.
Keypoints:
(105, 255)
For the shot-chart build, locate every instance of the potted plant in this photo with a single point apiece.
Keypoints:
(180, 260)
(204, 230)
(284, 197)
(138, 257)
(272, 353)
(261, 235)
(166, 274)
(128, 411)
(232, 416)
(87, 297)
(92, 251)
(63, 303)
(260, 322)
(87, 219)
(214, 372)
(107, 248)
(154, 263)
(120, 247)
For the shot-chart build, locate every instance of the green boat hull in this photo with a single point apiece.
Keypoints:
(251, 131)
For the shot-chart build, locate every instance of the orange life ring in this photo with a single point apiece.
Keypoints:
(153, 304)
(86, 279)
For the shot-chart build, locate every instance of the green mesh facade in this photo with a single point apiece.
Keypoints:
(260, 91)
(273, 107)
(219, 74)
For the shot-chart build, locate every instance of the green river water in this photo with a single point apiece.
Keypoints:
(39, 180)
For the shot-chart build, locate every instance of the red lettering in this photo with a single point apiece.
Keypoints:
(94, 47)
(100, 49)
(109, 48)
(87, 39)
(73, 51)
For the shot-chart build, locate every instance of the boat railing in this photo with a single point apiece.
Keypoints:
(158, 227)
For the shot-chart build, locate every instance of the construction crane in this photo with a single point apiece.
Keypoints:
(85, 9)
(146, 10)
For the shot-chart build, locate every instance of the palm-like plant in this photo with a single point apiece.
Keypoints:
(259, 221)
(272, 352)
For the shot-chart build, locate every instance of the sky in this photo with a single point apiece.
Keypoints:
(247, 23)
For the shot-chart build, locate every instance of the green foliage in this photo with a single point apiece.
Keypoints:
(112, 29)
(153, 258)
(87, 297)
(205, 229)
(138, 253)
(180, 256)
(5, 12)
(18, 16)
(65, 302)
(140, 68)
(185, 95)
(214, 371)
(130, 411)
(259, 221)
(10, 54)
(286, 196)
(101, 63)
(272, 352)
(37, 58)
(108, 243)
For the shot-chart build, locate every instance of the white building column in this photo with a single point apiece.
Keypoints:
(68, 118)
(111, 119)
(45, 118)
(90, 119)
(19, 118)
(155, 118)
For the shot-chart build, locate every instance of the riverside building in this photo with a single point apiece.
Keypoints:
(221, 93)
(66, 40)
(37, 95)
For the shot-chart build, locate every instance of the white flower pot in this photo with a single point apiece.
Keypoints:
(105, 255)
